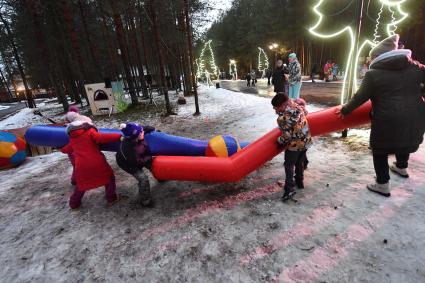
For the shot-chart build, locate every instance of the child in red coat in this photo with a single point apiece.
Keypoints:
(91, 167)
(71, 116)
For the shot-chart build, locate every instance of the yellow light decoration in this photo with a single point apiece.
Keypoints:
(393, 22)
(376, 35)
(346, 29)
(350, 31)
(201, 61)
(265, 59)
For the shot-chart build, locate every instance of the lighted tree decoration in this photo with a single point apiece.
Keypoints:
(206, 61)
(384, 27)
(263, 61)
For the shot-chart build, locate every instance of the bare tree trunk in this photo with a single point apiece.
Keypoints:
(91, 44)
(190, 47)
(160, 55)
(9, 72)
(82, 74)
(111, 49)
(44, 52)
(185, 66)
(28, 94)
(142, 39)
(124, 53)
(138, 57)
(5, 84)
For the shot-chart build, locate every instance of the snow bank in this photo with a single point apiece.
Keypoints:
(22, 118)
(26, 117)
(33, 166)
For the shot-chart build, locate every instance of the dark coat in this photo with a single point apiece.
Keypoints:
(133, 155)
(279, 79)
(398, 109)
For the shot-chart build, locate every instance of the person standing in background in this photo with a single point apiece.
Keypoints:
(294, 79)
(314, 71)
(279, 77)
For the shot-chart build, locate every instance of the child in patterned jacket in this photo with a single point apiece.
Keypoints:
(295, 139)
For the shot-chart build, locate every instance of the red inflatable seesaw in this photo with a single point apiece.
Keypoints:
(236, 167)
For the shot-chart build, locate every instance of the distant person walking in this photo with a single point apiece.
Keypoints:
(248, 79)
(279, 78)
(327, 70)
(335, 70)
(269, 74)
(294, 80)
(314, 71)
(253, 78)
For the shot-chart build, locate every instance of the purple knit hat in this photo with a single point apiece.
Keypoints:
(131, 130)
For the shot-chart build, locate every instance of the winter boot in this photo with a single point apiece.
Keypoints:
(402, 172)
(300, 183)
(306, 164)
(288, 194)
(382, 189)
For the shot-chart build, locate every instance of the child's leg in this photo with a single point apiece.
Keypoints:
(306, 162)
(75, 199)
(290, 161)
(110, 190)
(72, 160)
(297, 90)
(144, 187)
(299, 169)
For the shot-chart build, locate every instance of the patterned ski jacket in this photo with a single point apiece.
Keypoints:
(294, 72)
(294, 126)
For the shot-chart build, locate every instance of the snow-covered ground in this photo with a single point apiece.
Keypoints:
(26, 117)
(197, 232)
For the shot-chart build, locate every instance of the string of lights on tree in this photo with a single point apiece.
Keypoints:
(263, 60)
(202, 64)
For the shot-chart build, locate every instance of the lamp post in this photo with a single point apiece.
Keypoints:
(273, 47)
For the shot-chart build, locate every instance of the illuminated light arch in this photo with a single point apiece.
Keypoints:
(350, 31)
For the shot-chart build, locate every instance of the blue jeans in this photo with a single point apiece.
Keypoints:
(294, 90)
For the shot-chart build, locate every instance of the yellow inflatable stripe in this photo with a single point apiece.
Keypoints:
(7, 149)
(219, 146)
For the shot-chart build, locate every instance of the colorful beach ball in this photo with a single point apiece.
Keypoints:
(12, 150)
(222, 146)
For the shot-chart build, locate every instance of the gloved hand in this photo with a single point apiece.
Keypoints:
(280, 144)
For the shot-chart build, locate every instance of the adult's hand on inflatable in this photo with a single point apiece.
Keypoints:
(279, 145)
(338, 112)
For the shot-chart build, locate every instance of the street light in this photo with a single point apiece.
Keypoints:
(274, 47)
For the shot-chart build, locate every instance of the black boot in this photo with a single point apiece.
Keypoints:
(300, 183)
(288, 194)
